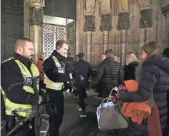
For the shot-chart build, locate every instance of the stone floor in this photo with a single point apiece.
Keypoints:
(73, 125)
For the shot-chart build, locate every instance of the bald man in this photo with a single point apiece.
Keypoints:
(20, 81)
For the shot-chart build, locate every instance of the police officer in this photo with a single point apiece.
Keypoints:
(20, 83)
(56, 74)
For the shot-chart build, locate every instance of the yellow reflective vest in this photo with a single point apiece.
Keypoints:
(57, 86)
(22, 110)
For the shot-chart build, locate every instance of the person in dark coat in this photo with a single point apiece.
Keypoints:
(131, 64)
(82, 74)
(166, 52)
(70, 65)
(154, 80)
(110, 74)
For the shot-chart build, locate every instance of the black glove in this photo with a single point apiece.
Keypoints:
(68, 85)
(32, 99)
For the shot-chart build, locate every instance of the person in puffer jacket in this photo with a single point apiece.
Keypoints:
(110, 74)
(154, 80)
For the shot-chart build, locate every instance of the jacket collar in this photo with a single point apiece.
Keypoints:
(58, 56)
(27, 62)
(109, 58)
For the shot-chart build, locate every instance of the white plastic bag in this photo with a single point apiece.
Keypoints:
(104, 105)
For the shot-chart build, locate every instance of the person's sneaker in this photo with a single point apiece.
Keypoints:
(83, 115)
(79, 108)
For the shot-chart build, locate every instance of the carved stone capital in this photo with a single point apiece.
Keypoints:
(36, 16)
(106, 22)
(146, 19)
(36, 3)
(89, 23)
(165, 7)
(123, 21)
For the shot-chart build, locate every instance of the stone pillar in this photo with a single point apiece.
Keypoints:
(35, 25)
(78, 26)
(123, 26)
(106, 20)
(167, 29)
(105, 40)
(89, 45)
(146, 19)
(123, 47)
(165, 11)
(26, 20)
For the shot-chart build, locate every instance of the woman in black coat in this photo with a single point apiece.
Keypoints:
(154, 80)
(131, 64)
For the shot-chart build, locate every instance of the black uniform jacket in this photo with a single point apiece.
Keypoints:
(51, 70)
(12, 81)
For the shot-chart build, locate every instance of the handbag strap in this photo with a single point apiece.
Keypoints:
(109, 99)
(113, 89)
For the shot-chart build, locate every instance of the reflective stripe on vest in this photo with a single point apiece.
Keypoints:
(55, 85)
(22, 110)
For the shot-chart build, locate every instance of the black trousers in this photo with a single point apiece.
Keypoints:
(42, 85)
(81, 97)
(55, 110)
(24, 130)
(134, 129)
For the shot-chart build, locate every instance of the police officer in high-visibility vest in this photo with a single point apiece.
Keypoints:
(20, 83)
(56, 75)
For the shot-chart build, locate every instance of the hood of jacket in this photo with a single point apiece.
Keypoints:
(160, 61)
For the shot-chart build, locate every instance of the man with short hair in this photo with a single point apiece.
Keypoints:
(83, 72)
(110, 74)
(57, 74)
(166, 52)
(20, 86)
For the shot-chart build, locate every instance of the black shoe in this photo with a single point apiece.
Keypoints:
(83, 114)
(79, 108)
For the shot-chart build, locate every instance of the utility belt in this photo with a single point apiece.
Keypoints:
(14, 122)
(15, 119)
(51, 91)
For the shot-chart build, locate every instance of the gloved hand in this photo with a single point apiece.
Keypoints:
(115, 94)
(122, 87)
(68, 85)
(115, 97)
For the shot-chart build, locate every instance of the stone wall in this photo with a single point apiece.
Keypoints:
(12, 20)
(92, 43)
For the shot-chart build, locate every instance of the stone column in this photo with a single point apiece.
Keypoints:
(78, 26)
(106, 20)
(26, 20)
(167, 29)
(89, 45)
(123, 26)
(105, 40)
(35, 25)
(165, 11)
(146, 19)
(123, 47)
